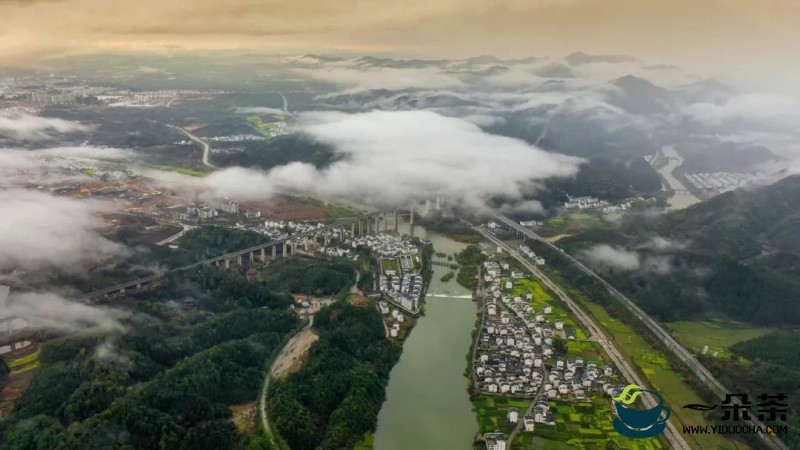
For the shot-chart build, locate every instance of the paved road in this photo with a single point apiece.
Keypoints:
(177, 235)
(262, 401)
(145, 280)
(285, 104)
(675, 439)
(657, 329)
(204, 144)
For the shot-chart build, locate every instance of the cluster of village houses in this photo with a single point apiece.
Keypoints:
(515, 356)
(720, 181)
(588, 202)
(214, 208)
(395, 314)
(403, 288)
(531, 223)
(386, 245)
(584, 202)
(538, 260)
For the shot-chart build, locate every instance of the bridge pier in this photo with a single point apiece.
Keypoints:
(227, 263)
(411, 216)
(239, 259)
(285, 249)
(263, 255)
(360, 227)
(274, 251)
(252, 257)
(327, 237)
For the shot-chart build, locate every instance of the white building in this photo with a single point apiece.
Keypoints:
(513, 415)
(495, 441)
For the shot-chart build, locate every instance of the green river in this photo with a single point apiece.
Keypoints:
(427, 405)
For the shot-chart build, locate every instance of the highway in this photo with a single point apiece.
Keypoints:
(671, 433)
(230, 255)
(702, 373)
(204, 144)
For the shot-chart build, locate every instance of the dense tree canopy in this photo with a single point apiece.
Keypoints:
(335, 397)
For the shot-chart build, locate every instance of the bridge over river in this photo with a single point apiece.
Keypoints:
(365, 224)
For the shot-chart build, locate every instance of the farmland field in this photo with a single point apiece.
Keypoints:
(492, 412)
(581, 425)
(719, 336)
(656, 368)
(180, 170)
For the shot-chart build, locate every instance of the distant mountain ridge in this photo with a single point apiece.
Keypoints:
(739, 256)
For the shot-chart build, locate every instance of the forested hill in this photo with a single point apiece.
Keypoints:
(736, 255)
(743, 223)
(335, 396)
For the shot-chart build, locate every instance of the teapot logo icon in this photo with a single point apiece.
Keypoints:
(639, 423)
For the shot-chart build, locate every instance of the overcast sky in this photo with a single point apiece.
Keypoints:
(749, 39)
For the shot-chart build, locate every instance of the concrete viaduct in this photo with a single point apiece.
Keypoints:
(367, 224)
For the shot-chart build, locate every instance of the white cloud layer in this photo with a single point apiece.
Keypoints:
(40, 231)
(28, 127)
(391, 158)
(50, 311)
(766, 109)
(605, 255)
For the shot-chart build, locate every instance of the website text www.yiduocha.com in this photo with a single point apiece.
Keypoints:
(735, 429)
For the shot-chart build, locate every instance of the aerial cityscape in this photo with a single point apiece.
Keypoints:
(507, 225)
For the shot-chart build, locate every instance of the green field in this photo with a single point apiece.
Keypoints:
(589, 351)
(542, 298)
(180, 170)
(492, 412)
(579, 216)
(719, 336)
(265, 128)
(387, 264)
(25, 359)
(584, 425)
(28, 368)
(654, 365)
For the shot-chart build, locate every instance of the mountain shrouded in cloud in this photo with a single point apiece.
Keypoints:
(744, 38)
(390, 158)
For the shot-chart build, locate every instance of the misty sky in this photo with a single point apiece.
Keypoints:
(749, 39)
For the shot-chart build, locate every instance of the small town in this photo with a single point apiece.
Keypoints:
(719, 182)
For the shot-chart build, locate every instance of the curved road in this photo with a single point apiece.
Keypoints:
(204, 144)
(262, 401)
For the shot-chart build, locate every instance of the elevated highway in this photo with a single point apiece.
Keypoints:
(595, 333)
(700, 371)
(364, 224)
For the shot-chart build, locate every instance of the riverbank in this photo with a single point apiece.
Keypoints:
(427, 404)
(681, 195)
